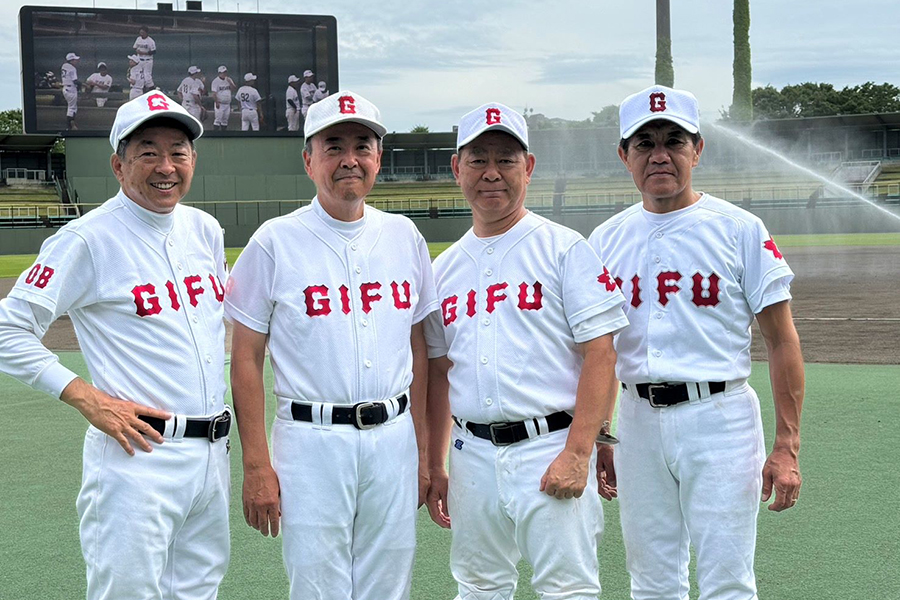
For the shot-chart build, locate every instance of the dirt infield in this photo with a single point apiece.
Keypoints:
(835, 291)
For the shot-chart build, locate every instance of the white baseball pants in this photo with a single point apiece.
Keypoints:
(690, 474)
(223, 113)
(499, 516)
(194, 109)
(348, 508)
(249, 119)
(293, 119)
(147, 68)
(135, 92)
(71, 96)
(101, 102)
(154, 525)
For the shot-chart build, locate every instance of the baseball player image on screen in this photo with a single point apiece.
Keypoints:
(141, 278)
(191, 90)
(145, 49)
(99, 83)
(135, 77)
(692, 466)
(251, 109)
(307, 91)
(222, 88)
(338, 292)
(522, 358)
(68, 73)
(292, 104)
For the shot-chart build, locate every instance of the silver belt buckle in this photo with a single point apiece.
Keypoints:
(220, 418)
(650, 388)
(358, 408)
(494, 428)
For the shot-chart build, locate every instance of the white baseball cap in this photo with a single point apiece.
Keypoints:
(293, 78)
(151, 105)
(658, 102)
(489, 117)
(100, 65)
(249, 77)
(222, 69)
(343, 107)
(193, 69)
(307, 73)
(72, 56)
(322, 85)
(134, 58)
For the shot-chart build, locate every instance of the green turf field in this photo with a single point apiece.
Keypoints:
(13, 265)
(839, 542)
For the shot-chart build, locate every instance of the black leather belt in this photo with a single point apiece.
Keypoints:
(213, 429)
(364, 415)
(670, 394)
(505, 434)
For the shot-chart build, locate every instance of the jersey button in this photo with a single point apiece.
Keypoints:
(368, 364)
(208, 358)
(659, 315)
(484, 360)
(656, 259)
(179, 266)
(659, 236)
(488, 272)
(490, 250)
(353, 246)
(365, 323)
(358, 270)
(194, 318)
(488, 401)
(657, 353)
(486, 322)
(171, 243)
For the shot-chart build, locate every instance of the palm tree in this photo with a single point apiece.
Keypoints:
(665, 72)
(742, 100)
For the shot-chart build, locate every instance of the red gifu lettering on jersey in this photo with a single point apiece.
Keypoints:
(345, 299)
(149, 305)
(635, 291)
(494, 296)
(157, 102)
(173, 295)
(667, 283)
(367, 298)
(706, 297)
(470, 303)
(401, 303)
(536, 303)
(657, 102)
(189, 282)
(492, 116)
(317, 307)
(218, 290)
(606, 279)
(347, 105)
(769, 244)
(448, 309)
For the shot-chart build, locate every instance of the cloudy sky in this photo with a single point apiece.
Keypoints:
(428, 62)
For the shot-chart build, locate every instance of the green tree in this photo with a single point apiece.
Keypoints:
(607, 117)
(823, 100)
(11, 121)
(665, 71)
(741, 99)
(420, 129)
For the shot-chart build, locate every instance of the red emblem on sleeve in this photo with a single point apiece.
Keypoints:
(769, 244)
(607, 280)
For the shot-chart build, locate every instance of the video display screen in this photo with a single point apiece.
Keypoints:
(230, 70)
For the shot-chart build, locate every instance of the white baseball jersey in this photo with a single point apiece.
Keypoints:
(221, 89)
(513, 308)
(137, 80)
(694, 279)
(99, 82)
(248, 96)
(320, 95)
(369, 289)
(68, 75)
(190, 88)
(144, 47)
(292, 96)
(145, 294)
(307, 91)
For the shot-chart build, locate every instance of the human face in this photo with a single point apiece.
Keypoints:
(158, 167)
(661, 157)
(344, 162)
(493, 172)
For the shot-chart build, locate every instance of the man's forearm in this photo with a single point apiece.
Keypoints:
(418, 389)
(787, 378)
(596, 396)
(438, 416)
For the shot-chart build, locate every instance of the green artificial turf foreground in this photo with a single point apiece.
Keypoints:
(839, 542)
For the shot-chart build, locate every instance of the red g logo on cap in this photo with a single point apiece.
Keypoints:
(157, 102)
(492, 116)
(657, 102)
(347, 105)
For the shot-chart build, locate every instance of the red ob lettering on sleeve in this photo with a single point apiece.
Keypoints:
(317, 307)
(146, 306)
(40, 278)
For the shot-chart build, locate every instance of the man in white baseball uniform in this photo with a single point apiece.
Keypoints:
(145, 49)
(522, 357)
(191, 90)
(141, 278)
(321, 92)
(222, 87)
(695, 269)
(292, 104)
(251, 111)
(135, 77)
(99, 84)
(344, 333)
(307, 91)
(69, 77)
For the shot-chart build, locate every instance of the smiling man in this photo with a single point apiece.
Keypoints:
(141, 278)
(522, 358)
(696, 270)
(338, 291)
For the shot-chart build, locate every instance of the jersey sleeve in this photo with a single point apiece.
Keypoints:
(434, 335)
(248, 293)
(763, 264)
(427, 293)
(61, 278)
(589, 289)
